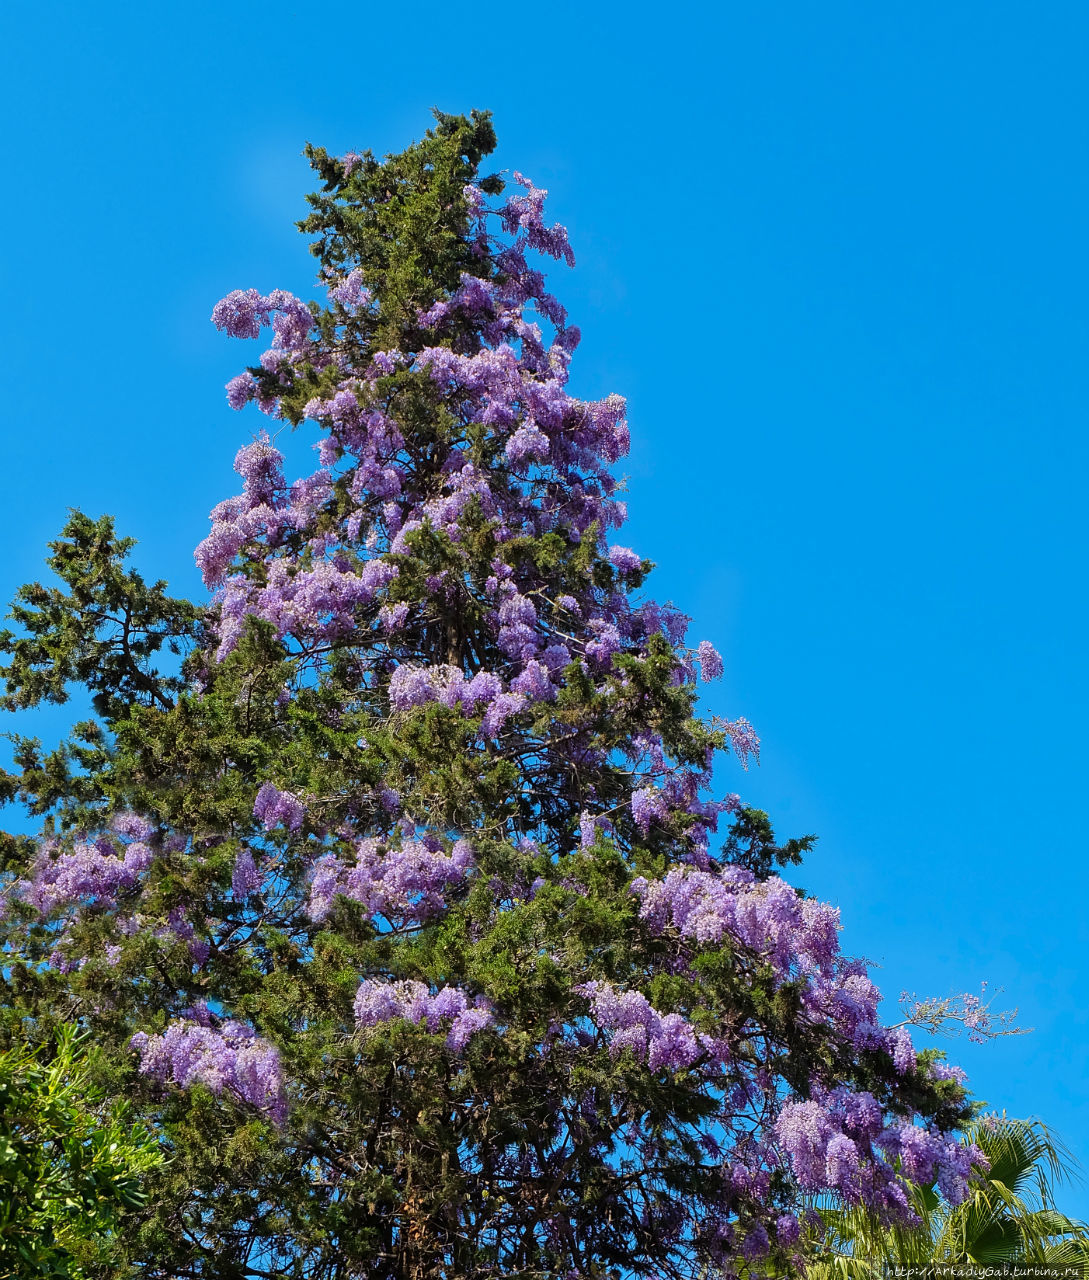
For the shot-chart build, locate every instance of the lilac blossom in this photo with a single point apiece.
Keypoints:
(230, 1057)
(377, 1002)
(710, 661)
(245, 878)
(661, 1040)
(406, 883)
(274, 808)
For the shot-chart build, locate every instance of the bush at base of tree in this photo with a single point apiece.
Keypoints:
(71, 1166)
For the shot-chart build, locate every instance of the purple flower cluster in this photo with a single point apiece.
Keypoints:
(840, 1141)
(415, 686)
(744, 741)
(274, 808)
(377, 1002)
(95, 871)
(351, 292)
(231, 1056)
(525, 214)
(798, 937)
(257, 512)
(244, 312)
(766, 917)
(648, 805)
(664, 1041)
(710, 660)
(404, 884)
(245, 879)
(624, 559)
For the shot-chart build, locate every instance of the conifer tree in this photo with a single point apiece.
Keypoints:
(407, 914)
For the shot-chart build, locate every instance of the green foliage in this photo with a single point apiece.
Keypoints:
(751, 843)
(403, 221)
(71, 1166)
(101, 630)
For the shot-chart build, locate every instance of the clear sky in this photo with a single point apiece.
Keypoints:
(836, 257)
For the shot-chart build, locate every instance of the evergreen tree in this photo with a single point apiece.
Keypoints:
(398, 913)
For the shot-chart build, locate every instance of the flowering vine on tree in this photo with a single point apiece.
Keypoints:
(400, 911)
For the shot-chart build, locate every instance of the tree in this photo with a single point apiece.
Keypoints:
(1009, 1217)
(397, 912)
(71, 1165)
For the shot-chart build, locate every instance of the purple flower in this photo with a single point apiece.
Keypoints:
(465, 1025)
(942, 1071)
(377, 1002)
(787, 1229)
(484, 687)
(534, 682)
(744, 741)
(132, 827)
(661, 1040)
(274, 807)
(625, 559)
(500, 711)
(230, 1058)
(245, 877)
(902, 1050)
(402, 884)
(91, 872)
(241, 313)
(528, 441)
(411, 686)
(755, 1243)
(710, 661)
(648, 805)
(392, 617)
(351, 292)
(241, 390)
(795, 935)
(804, 1129)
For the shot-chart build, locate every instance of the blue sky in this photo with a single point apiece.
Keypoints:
(836, 258)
